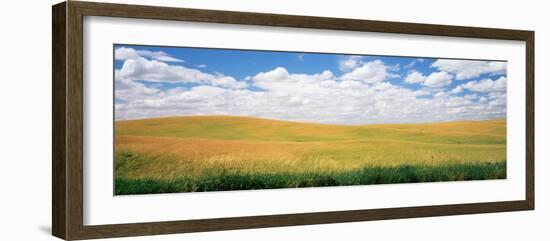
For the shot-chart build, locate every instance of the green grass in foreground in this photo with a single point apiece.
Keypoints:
(232, 180)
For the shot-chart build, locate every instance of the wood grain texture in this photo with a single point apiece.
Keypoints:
(58, 121)
(530, 120)
(121, 230)
(67, 150)
(74, 134)
(279, 20)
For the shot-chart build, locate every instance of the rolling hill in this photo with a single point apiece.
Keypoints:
(198, 149)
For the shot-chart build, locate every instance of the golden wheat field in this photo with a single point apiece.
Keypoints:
(194, 149)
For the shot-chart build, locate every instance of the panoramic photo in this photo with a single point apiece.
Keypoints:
(202, 119)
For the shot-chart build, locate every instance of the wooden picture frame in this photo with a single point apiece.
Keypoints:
(67, 124)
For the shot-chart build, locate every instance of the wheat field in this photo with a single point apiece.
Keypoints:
(217, 153)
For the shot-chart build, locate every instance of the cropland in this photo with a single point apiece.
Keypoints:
(221, 153)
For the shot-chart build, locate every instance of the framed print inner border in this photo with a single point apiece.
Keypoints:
(67, 123)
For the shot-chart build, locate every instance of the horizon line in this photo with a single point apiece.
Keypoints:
(307, 122)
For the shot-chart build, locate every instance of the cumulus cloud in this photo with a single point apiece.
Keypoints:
(350, 62)
(457, 90)
(440, 94)
(467, 69)
(395, 67)
(365, 94)
(486, 85)
(415, 77)
(279, 79)
(370, 72)
(413, 63)
(157, 71)
(434, 80)
(438, 79)
(124, 53)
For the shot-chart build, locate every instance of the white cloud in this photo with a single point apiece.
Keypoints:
(415, 77)
(202, 66)
(321, 97)
(161, 57)
(457, 90)
(434, 80)
(471, 96)
(124, 53)
(278, 74)
(395, 67)
(438, 79)
(486, 85)
(370, 72)
(423, 92)
(157, 71)
(440, 94)
(458, 103)
(279, 79)
(349, 63)
(467, 69)
(227, 82)
(413, 63)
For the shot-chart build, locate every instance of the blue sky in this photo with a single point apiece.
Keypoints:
(328, 88)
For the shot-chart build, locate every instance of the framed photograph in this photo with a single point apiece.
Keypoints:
(171, 120)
